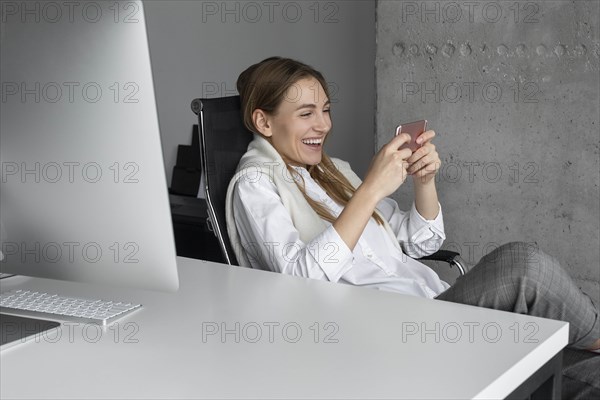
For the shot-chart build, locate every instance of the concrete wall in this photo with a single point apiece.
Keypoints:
(198, 49)
(512, 91)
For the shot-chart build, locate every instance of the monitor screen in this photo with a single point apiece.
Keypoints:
(83, 188)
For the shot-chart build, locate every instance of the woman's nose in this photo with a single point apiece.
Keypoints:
(323, 123)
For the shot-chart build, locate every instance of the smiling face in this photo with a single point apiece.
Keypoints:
(300, 124)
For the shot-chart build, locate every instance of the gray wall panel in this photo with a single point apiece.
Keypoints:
(511, 89)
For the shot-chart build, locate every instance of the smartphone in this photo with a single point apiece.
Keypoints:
(414, 129)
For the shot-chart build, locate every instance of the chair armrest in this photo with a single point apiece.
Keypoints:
(451, 257)
(442, 255)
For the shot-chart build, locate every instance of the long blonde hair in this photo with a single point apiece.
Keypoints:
(263, 86)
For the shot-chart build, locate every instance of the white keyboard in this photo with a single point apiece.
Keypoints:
(44, 305)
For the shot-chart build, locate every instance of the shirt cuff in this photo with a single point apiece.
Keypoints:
(331, 253)
(419, 224)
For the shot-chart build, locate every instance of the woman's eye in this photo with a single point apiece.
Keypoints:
(328, 110)
(305, 114)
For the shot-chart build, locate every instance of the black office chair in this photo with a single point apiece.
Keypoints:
(223, 141)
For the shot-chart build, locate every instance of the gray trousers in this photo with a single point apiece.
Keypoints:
(520, 278)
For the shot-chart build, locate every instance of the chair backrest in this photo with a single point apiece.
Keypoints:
(223, 140)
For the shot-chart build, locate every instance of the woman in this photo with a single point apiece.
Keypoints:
(294, 210)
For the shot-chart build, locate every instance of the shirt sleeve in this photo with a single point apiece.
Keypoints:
(417, 236)
(272, 242)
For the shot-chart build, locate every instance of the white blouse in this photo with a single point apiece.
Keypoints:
(272, 243)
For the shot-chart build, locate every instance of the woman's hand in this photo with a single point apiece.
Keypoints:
(386, 173)
(425, 162)
(388, 168)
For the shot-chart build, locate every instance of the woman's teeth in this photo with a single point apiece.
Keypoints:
(312, 141)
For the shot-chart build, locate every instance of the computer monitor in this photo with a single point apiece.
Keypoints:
(83, 192)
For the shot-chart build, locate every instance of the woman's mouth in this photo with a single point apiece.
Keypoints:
(314, 143)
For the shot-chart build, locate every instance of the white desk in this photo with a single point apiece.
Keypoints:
(159, 352)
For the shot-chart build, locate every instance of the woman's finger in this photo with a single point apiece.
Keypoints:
(418, 165)
(431, 162)
(425, 137)
(427, 170)
(421, 152)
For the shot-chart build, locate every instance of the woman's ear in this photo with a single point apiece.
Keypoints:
(261, 122)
